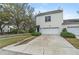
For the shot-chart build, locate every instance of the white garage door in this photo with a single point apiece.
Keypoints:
(50, 31)
(74, 30)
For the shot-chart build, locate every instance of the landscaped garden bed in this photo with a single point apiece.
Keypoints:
(70, 37)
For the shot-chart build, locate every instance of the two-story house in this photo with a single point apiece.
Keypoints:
(52, 23)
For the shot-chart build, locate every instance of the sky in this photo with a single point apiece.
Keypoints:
(69, 9)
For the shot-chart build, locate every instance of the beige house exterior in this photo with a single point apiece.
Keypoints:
(52, 22)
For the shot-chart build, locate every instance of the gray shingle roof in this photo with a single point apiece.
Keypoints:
(70, 21)
(50, 12)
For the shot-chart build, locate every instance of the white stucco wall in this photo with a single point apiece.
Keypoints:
(56, 20)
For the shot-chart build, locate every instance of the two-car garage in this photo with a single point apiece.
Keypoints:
(50, 30)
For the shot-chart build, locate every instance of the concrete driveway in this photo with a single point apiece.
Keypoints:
(7, 52)
(45, 45)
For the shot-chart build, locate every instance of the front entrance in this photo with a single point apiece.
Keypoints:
(38, 27)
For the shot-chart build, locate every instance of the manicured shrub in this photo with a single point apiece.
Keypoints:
(35, 33)
(66, 34)
(64, 30)
(31, 30)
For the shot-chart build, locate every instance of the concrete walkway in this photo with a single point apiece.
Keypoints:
(45, 45)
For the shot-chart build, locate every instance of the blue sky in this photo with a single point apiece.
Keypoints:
(69, 9)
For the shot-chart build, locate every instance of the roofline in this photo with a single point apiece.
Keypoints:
(49, 12)
(72, 19)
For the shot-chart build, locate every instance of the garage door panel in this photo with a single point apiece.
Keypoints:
(49, 31)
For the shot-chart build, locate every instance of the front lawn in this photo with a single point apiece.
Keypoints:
(74, 42)
(12, 40)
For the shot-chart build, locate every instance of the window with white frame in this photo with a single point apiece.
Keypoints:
(47, 18)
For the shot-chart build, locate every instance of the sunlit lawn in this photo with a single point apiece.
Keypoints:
(74, 42)
(12, 40)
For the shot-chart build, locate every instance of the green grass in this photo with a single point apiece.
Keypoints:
(74, 42)
(25, 41)
(11, 40)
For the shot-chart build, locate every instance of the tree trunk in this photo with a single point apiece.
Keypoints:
(1, 31)
(18, 28)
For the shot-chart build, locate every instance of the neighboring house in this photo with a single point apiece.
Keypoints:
(72, 25)
(52, 23)
(7, 28)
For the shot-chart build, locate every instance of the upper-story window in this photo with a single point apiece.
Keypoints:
(47, 18)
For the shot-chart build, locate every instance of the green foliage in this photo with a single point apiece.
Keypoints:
(5, 16)
(31, 30)
(19, 14)
(14, 31)
(21, 31)
(64, 30)
(35, 33)
(66, 34)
